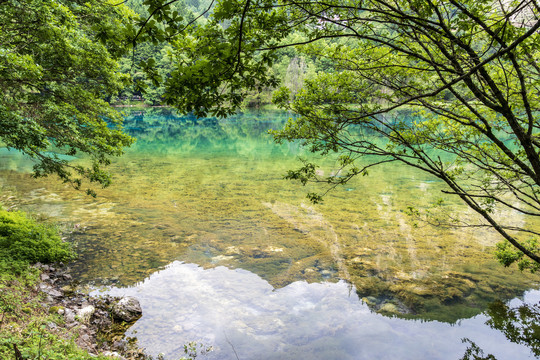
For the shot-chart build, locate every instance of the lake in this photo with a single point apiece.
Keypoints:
(200, 225)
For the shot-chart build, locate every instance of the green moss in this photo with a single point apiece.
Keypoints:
(23, 239)
(55, 309)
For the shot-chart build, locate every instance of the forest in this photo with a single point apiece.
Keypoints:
(291, 66)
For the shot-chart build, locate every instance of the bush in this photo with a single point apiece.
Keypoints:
(24, 239)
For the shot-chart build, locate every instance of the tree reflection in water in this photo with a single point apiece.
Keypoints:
(520, 324)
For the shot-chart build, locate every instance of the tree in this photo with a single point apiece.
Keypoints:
(57, 67)
(448, 87)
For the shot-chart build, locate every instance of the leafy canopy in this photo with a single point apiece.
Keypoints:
(57, 67)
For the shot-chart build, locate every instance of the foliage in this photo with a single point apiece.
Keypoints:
(192, 350)
(152, 61)
(145, 51)
(22, 239)
(447, 87)
(507, 255)
(58, 64)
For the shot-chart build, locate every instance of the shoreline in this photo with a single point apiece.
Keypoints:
(96, 324)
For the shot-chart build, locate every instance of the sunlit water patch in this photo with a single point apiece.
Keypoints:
(244, 317)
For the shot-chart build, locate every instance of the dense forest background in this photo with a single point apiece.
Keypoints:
(291, 67)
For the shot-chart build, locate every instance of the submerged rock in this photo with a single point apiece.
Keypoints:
(113, 354)
(127, 309)
(389, 308)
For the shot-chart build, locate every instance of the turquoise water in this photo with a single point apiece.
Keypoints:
(200, 225)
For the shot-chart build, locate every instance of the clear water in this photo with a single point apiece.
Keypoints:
(200, 225)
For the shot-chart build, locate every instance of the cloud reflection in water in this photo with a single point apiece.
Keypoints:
(236, 308)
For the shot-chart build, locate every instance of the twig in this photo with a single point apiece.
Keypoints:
(232, 346)
(18, 355)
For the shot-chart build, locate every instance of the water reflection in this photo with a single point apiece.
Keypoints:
(238, 312)
(519, 321)
(244, 135)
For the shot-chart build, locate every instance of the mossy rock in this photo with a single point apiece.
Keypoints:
(68, 290)
(370, 301)
(55, 309)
